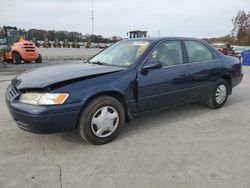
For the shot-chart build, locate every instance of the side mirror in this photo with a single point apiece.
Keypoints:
(152, 65)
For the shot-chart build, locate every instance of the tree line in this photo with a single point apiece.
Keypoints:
(240, 34)
(52, 35)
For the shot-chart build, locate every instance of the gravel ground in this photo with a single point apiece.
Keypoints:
(52, 56)
(189, 146)
(67, 53)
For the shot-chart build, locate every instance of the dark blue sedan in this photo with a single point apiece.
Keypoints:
(131, 77)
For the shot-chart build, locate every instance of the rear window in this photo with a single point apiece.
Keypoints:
(198, 52)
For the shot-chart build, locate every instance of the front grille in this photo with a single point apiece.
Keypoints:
(29, 47)
(15, 82)
(29, 50)
(13, 92)
(28, 44)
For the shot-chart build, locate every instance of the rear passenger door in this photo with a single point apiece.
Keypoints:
(204, 69)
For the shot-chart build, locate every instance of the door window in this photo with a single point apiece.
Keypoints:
(198, 51)
(168, 53)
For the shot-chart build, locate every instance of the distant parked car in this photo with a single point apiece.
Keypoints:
(93, 45)
(101, 45)
(224, 48)
(238, 50)
(128, 78)
(109, 44)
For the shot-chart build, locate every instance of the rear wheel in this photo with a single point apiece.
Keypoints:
(39, 59)
(219, 95)
(101, 120)
(16, 58)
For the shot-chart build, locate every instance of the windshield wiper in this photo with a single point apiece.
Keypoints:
(86, 61)
(98, 63)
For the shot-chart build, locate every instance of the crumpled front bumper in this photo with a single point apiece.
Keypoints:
(43, 119)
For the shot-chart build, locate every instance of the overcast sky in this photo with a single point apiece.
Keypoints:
(193, 18)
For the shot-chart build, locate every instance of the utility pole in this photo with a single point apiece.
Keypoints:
(92, 17)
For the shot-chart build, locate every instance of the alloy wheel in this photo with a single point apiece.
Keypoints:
(221, 94)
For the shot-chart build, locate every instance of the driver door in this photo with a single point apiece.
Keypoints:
(164, 86)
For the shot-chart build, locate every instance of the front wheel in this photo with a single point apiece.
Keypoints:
(16, 58)
(219, 95)
(39, 59)
(101, 120)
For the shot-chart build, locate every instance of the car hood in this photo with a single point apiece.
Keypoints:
(46, 76)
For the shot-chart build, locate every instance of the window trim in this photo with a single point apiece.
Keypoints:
(215, 58)
(164, 41)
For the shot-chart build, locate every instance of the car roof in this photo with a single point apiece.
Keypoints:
(162, 38)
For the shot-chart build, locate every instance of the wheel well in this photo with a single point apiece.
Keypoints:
(17, 53)
(117, 96)
(229, 81)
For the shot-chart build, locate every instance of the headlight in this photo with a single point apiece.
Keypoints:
(43, 98)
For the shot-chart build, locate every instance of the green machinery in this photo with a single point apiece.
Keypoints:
(66, 44)
(57, 44)
(137, 34)
(12, 35)
(75, 44)
(46, 43)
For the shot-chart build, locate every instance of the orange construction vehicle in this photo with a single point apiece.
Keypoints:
(18, 48)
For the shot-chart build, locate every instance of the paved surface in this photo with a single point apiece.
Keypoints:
(185, 147)
(19, 68)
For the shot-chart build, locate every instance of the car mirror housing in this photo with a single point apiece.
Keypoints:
(152, 65)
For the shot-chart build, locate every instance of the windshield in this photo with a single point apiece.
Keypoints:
(124, 53)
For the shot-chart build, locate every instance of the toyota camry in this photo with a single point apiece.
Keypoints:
(131, 77)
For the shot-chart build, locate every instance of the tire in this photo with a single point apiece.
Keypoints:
(16, 58)
(39, 59)
(101, 120)
(219, 95)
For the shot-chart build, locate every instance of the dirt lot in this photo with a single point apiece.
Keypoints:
(186, 147)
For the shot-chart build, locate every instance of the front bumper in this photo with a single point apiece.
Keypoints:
(43, 119)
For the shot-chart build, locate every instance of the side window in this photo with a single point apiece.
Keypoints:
(198, 51)
(168, 53)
